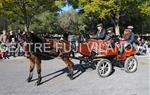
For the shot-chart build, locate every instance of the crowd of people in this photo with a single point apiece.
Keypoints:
(10, 44)
(141, 46)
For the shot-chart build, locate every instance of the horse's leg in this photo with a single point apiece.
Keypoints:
(69, 64)
(32, 65)
(38, 67)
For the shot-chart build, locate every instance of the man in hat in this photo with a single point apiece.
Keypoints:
(101, 33)
(128, 35)
(110, 33)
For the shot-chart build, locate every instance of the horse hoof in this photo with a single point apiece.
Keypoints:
(37, 83)
(29, 80)
(68, 74)
(82, 70)
(71, 78)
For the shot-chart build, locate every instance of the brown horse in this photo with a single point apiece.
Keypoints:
(35, 51)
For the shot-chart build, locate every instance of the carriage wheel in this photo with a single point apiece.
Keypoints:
(104, 68)
(130, 64)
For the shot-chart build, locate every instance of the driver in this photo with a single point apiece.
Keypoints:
(101, 33)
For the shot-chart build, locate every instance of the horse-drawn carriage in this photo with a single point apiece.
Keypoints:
(103, 55)
(99, 54)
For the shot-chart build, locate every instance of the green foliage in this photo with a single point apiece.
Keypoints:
(121, 12)
(71, 21)
(41, 15)
(145, 8)
(24, 11)
(45, 22)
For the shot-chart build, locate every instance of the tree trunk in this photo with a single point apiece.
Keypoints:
(26, 28)
(115, 21)
(26, 18)
(26, 24)
(117, 28)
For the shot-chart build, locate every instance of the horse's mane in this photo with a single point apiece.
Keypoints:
(36, 39)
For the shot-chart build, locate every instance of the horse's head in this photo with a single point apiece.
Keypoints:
(28, 41)
(35, 44)
(29, 38)
(25, 38)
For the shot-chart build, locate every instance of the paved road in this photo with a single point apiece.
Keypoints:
(13, 73)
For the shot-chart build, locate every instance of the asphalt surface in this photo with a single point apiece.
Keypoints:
(14, 71)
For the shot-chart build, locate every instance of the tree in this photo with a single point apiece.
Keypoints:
(145, 7)
(113, 9)
(26, 10)
(71, 21)
(145, 11)
(45, 22)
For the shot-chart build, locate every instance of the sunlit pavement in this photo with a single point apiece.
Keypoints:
(14, 71)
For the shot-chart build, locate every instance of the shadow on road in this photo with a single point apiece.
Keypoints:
(77, 72)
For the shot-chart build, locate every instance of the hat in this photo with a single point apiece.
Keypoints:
(100, 25)
(110, 29)
(130, 27)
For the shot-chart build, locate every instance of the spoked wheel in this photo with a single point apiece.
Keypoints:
(104, 68)
(130, 64)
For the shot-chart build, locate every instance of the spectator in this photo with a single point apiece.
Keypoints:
(11, 35)
(19, 50)
(70, 37)
(143, 47)
(3, 51)
(23, 36)
(3, 37)
(13, 47)
(81, 38)
(18, 36)
(65, 35)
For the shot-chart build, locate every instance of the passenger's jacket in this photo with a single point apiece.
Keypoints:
(101, 34)
(129, 37)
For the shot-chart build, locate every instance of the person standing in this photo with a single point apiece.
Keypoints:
(65, 35)
(11, 35)
(3, 37)
(13, 46)
(4, 41)
(70, 37)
